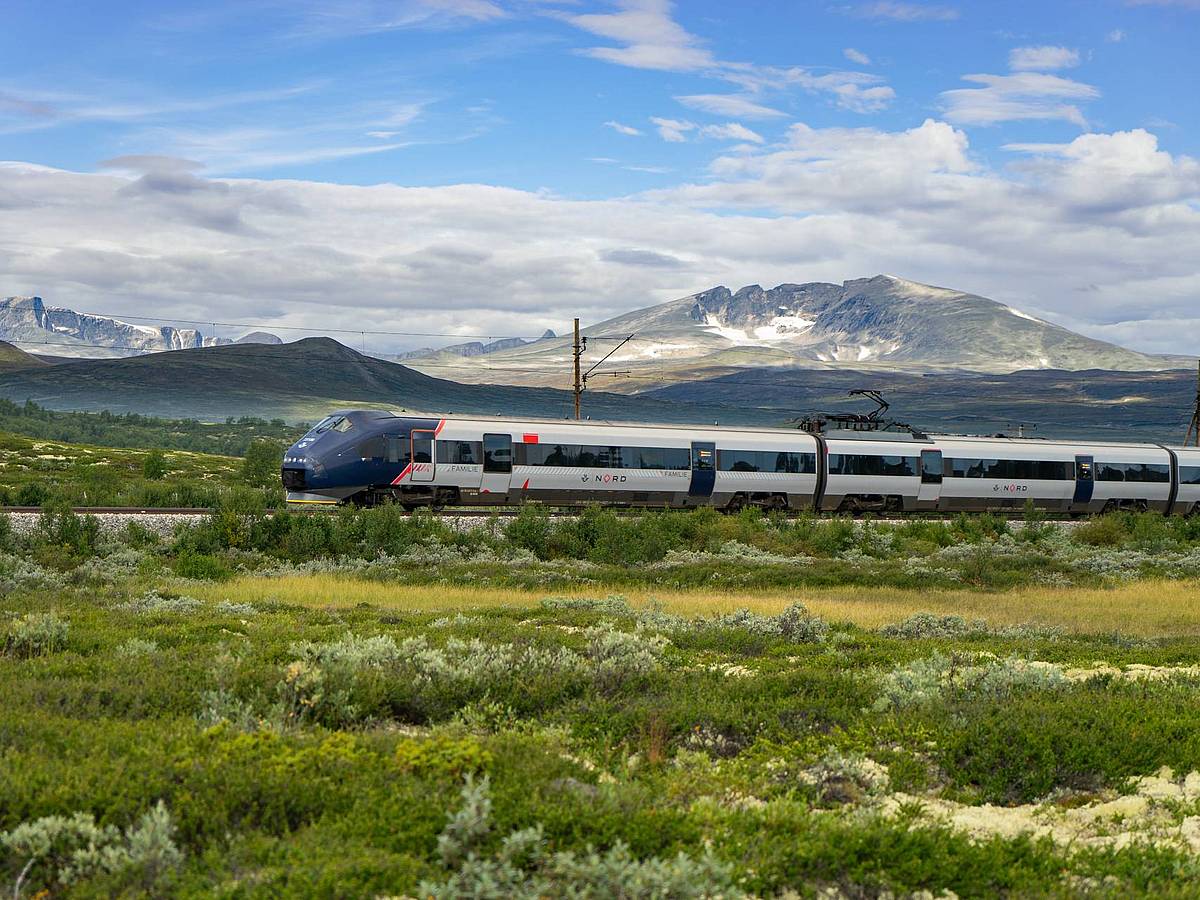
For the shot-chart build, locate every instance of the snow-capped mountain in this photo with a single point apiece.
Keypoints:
(882, 321)
(55, 331)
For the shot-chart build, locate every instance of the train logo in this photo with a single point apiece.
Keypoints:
(603, 479)
(1011, 488)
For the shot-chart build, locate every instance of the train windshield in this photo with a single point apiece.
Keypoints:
(332, 423)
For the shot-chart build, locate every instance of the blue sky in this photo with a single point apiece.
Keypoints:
(712, 115)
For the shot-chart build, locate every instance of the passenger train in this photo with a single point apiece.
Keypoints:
(366, 457)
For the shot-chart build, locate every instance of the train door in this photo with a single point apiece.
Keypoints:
(704, 469)
(1084, 480)
(497, 464)
(931, 479)
(422, 455)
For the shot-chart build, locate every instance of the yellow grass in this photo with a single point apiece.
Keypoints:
(1141, 608)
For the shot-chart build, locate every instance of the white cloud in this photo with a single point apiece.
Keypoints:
(856, 56)
(1115, 36)
(673, 130)
(622, 129)
(732, 131)
(729, 105)
(1025, 95)
(906, 12)
(322, 19)
(649, 38)
(1113, 210)
(1041, 59)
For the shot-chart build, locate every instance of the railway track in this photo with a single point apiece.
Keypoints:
(499, 512)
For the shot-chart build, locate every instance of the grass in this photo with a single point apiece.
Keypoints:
(1145, 608)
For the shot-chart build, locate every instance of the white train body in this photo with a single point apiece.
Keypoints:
(369, 456)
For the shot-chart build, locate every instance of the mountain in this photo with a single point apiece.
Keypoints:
(65, 332)
(471, 348)
(870, 323)
(304, 380)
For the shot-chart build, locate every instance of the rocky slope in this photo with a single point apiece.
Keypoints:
(36, 327)
(879, 322)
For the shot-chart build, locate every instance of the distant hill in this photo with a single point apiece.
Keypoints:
(875, 323)
(259, 337)
(1096, 404)
(64, 332)
(302, 381)
(14, 358)
(473, 348)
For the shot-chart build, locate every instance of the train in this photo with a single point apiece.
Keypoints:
(369, 457)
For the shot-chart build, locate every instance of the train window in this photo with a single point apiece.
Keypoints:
(1008, 469)
(931, 466)
(422, 446)
(702, 459)
(1110, 472)
(766, 461)
(397, 449)
(468, 453)
(373, 449)
(869, 464)
(1189, 474)
(1148, 473)
(497, 453)
(334, 423)
(595, 456)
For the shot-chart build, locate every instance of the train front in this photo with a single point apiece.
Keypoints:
(319, 468)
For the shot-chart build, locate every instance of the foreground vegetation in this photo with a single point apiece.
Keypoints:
(688, 550)
(401, 714)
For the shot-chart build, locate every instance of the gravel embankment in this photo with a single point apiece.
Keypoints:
(160, 523)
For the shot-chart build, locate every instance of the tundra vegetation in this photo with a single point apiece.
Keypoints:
(372, 704)
(43, 472)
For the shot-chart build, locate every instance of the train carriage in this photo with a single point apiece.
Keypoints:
(372, 456)
(1187, 497)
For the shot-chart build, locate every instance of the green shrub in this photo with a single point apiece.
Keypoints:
(523, 867)
(36, 634)
(442, 755)
(32, 493)
(154, 465)
(201, 566)
(60, 530)
(62, 851)
(261, 464)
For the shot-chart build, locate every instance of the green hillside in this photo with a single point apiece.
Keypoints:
(1148, 406)
(12, 357)
(304, 380)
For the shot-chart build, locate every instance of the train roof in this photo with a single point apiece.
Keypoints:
(881, 436)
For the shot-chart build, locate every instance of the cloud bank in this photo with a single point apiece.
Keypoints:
(154, 236)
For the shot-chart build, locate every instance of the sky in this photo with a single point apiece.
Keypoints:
(496, 167)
